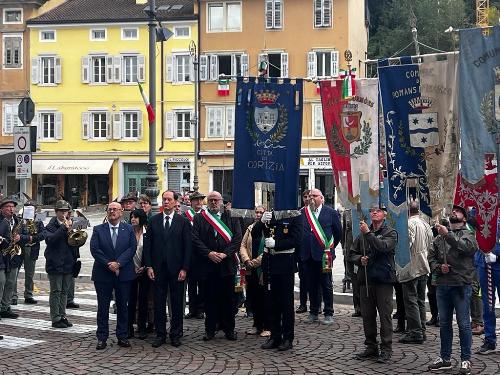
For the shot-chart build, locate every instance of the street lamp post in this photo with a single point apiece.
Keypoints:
(152, 177)
(194, 55)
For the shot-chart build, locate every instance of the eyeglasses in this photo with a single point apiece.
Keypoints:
(113, 209)
(214, 199)
(314, 195)
(144, 203)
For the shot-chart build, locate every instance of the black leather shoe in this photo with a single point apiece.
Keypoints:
(285, 345)
(175, 342)
(301, 310)
(384, 357)
(9, 315)
(208, 336)
(231, 336)
(270, 344)
(142, 335)
(367, 353)
(72, 305)
(399, 329)
(1, 337)
(59, 324)
(411, 339)
(66, 321)
(432, 321)
(157, 342)
(30, 301)
(101, 345)
(200, 316)
(356, 314)
(123, 343)
(13, 302)
(189, 316)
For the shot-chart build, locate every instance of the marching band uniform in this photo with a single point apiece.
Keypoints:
(279, 266)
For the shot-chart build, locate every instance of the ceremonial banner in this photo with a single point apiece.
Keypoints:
(401, 102)
(351, 129)
(439, 92)
(267, 141)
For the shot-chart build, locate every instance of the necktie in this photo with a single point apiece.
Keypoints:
(114, 236)
(167, 222)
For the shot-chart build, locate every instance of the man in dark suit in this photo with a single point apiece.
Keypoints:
(216, 239)
(322, 232)
(113, 245)
(167, 253)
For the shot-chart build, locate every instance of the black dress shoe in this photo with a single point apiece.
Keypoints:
(30, 301)
(367, 353)
(270, 344)
(66, 321)
(123, 343)
(431, 321)
(1, 337)
(59, 324)
(285, 345)
(301, 310)
(13, 302)
(208, 336)
(231, 336)
(384, 357)
(9, 315)
(190, 315)
(356, 314)
(175, 342)
(101, 345)
(200, 315)
(411, 339)
(157, 342)
(72, 305)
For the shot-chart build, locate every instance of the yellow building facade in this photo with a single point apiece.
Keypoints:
(92, 125)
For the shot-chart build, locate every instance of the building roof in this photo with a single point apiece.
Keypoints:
(111, 11)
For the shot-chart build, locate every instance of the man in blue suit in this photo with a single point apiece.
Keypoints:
(113, 246)
(322, 231)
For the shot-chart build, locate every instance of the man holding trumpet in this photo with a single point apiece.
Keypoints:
(60, 258)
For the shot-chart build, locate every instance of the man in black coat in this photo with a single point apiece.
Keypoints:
(167, 253)
(216, 239)
(283, 238)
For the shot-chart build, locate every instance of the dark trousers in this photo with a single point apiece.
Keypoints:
(104, 291)
(414, 301)
(320, 285)
(195, 294)
(162, 285)
(282, 313)
(379, 300)
(355, 293)
(256, 293)
(138, 301)
(303, 283)
(219, 303)
(476, 303)
(400, 305)
(431, 296)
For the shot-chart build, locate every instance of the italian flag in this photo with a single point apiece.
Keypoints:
(190, 214)
(149, 108)
(223, 87)
(348, 84)
(218, 225)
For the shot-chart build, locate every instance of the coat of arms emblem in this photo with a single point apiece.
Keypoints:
(266, 112)
(351, 125)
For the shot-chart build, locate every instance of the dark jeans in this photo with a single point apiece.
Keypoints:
(414, 301)
(379, 300)
(176, 292)
(195, 294)
(219, 303)
(104, 291)
(138, 301)
(456, 298)
(431, 296)
(282, 313)
(303, 283)
(489, 314)
(320, 284)
(400, 305)
(476, 304)
(257, 294)
(355, 293)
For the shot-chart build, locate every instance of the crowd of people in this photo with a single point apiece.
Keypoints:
(144, 262)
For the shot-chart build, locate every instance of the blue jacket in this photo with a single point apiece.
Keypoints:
(330, 222)
(101, 248)
(480, 262)
(59, 256)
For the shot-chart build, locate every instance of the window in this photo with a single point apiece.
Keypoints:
(212, 66)
(274, 14)
(46, 70)
(12, 51)
(99, 128)
(183, 125)
(277, 64)
(322, 13)
(182, 32)
(131, 125)
(98, 34)
(47, 36)
(12, 16)
(130, 33)
(48, 125)
(130, 69)
(10, 117)
(318, 127)
(98, 69)
(182, 68)
(224, 16)
(220, 121)
(323, 64)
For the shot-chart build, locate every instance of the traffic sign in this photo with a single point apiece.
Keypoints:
(22, 139)
(23, 166)
(26, 110)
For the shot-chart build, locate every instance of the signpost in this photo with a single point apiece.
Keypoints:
(22, 141)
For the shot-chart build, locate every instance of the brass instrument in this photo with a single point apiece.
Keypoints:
(14, 248)
(76, 235)
(31, 227)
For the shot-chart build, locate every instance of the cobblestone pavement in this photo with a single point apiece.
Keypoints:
(31, 346)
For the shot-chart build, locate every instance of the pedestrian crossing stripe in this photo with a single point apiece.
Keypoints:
(69, 312)
(81, 301)
(11, 342)
(46, 325)
(87, 293)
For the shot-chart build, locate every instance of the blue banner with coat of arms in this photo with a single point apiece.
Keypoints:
(268, 134)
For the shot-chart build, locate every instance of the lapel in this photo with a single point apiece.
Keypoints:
(107, 235)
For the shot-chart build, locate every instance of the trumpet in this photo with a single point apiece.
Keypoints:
(76, 236)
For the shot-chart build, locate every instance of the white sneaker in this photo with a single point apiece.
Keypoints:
(465, 368)
(328, 320)
(312, 318)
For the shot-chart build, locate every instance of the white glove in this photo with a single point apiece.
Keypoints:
(266, 217)
(270, 242)
(490, 258)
